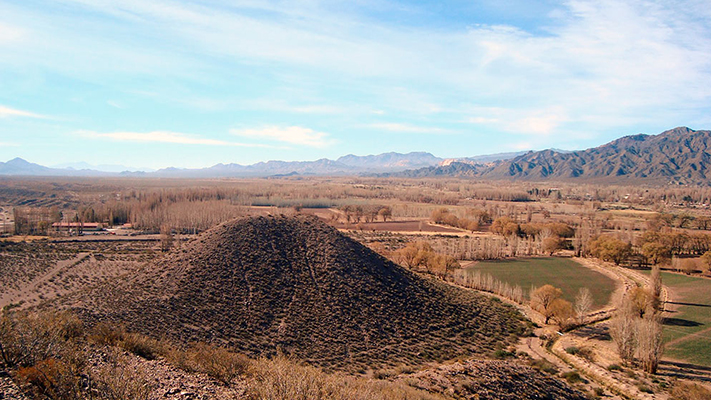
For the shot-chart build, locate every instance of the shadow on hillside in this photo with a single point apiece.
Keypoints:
(688, 304)
(680, 322)
(684, 370)
(595, 331)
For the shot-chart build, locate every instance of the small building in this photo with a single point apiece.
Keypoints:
(77, 226)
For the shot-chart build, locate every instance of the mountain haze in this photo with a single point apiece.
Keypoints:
(394, 161)
(346, 165)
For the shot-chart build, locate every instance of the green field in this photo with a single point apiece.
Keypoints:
(688, 330)
(562, 273)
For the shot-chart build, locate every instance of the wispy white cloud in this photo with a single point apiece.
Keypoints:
(481, 120)
(284, 106)
(12, 112)
(9, 33)
(406, 128)
(115, 104)
(292, 135)
(162, 137)
(597, 63)
(539, 122)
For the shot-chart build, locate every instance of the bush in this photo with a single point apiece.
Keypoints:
(218, 363)
(572, 377)
(27, 339)
(384, 374)
(119, 381)
(582, 352)
(545, 366)
(501, 354)
(135, 343)
(689, 391)
(644, 388)
(51, 378)
(614, 367)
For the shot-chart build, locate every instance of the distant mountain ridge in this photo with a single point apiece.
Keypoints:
(346, 165)
(390, 160)
(677, 156)
(81, 165)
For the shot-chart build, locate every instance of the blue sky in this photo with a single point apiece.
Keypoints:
(194, 83)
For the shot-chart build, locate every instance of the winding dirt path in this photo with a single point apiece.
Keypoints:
(620, 386)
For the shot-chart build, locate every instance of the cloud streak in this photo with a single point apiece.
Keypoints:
(293, 135)
(589, 66)
(406, 128)
(6, 112)
(162, 137)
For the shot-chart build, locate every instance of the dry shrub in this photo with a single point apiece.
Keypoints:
(27, 339)
(106, 334)
(216, 362)
(51, 378)
(689, 391)
(140, 345)
(120, 381)
(281, 378)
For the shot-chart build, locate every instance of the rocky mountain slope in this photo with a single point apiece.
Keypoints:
(298, 286)
(678, 156)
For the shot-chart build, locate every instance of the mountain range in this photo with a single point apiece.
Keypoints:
(347, 165)
(676, 156)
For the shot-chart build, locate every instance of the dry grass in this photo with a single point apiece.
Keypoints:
(217, 362)
(283, 379)
(689, 391)
(140, 345)
(118, 380)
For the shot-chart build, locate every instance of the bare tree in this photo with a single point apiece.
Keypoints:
(583, 303)
(166, 238)
(624, 331)
(655, 302)
(649, 342)
(385, 213)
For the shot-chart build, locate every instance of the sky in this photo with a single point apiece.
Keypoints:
(190, 83)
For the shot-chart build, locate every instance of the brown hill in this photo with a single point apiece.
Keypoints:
(491, 380)
(680, 155)
(299, 286)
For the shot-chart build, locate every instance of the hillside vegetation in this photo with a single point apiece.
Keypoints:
(296, 285)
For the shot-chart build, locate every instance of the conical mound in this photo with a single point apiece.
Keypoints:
(298, 286)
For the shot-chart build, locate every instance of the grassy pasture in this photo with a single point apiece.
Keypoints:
(562, 273)
(687, 330)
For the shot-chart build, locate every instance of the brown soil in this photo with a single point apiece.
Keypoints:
(492, 380)
(33, 272)
(404, 226)
(298, 286)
